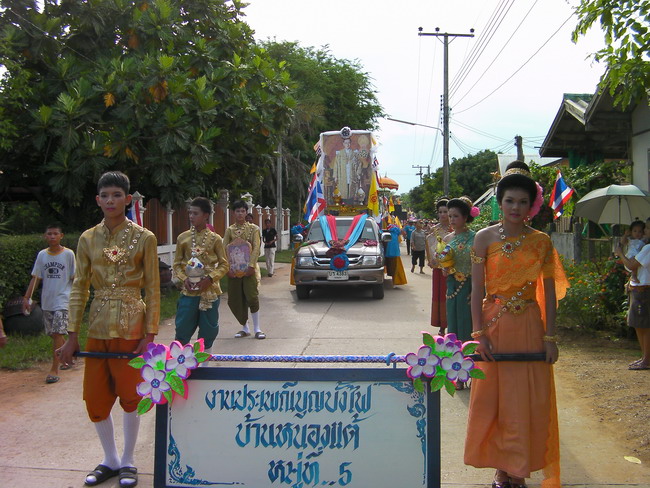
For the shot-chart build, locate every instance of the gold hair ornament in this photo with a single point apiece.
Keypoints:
(517, 171)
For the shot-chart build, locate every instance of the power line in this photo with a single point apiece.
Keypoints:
(520, 68)
(498, 54)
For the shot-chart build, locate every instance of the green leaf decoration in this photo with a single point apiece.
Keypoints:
(437, 382)
(144, 406)
(470, 348)
(418, 385)
(197, 347)
(477, 373)
(427, 339)
(202, 356)
(168, 395)
(137, 363)
(160, 366)
(450, 387)
(177, 384)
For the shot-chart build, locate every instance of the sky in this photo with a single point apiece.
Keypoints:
(507, 80)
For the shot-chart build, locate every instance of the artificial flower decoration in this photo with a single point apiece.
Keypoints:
(539, 200)
(370, 242)
(164, 371)
(443, 359)
(457, 367)
(422, 363)
(182, 359)
(154, 384)
(340, 262)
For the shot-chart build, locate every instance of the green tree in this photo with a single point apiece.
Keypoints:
(626, 28)
(330, 93)
(174, 92)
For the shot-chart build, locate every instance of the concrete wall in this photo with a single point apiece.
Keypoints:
(565, 245)
(641, 146)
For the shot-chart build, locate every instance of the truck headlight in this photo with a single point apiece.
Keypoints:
(305, 262)
(372, 261)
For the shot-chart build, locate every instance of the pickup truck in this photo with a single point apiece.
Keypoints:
(366, 260)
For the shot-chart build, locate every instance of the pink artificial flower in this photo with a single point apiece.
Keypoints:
(422, 363)
(537, 204)
(457, 367)
(154, 384)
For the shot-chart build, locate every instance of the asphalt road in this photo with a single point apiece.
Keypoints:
(47, 440)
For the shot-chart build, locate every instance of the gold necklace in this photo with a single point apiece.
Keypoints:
(509, 247)
(196, 249)
(119, 254)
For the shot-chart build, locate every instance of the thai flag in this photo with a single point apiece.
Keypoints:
(561, 194)
(315, 201)
(375, 163)
(133, 213)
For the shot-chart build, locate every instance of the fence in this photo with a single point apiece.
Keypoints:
(167, 223)
(567, 236)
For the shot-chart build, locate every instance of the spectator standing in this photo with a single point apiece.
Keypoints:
(270, 237)
(406, 232)
(418, 244)
(54, 267)
(394, 266)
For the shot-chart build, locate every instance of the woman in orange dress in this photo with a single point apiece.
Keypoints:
(517, 279)
(438, 281)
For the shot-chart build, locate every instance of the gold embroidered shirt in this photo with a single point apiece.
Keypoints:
(211, 252)
(118, 265)
(248, 232)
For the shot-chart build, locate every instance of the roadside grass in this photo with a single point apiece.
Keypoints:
(21, 352)
(280, 256)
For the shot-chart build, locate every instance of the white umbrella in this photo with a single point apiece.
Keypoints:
(614, 204)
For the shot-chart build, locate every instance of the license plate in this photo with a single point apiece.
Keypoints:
(337, 275)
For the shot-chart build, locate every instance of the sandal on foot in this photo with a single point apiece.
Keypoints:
(260, 335)
(128, 476)
(638, 367)
(100, 474)
(50, 378)
(63, 367)
(242, 333)
(501, 484)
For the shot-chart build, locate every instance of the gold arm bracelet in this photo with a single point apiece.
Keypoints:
(550, 339)
(478, 333)
(474, 258)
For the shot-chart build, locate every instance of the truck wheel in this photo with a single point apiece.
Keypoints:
(378, 291)
(302, 292)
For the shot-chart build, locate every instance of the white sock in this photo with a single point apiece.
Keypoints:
(246, 328)
(131, 428)
(205, 364)
(256, 321)
(106, 434)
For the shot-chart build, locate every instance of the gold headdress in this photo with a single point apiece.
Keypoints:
(517, 171)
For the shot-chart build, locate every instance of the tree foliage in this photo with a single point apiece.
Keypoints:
(175, 93)
(330, 93)
(626, 28)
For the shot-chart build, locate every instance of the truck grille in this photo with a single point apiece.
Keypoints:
(324, 261)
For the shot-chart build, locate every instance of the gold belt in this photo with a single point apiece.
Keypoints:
(513, 305)
(126, 293)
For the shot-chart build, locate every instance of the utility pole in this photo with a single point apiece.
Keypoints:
(445, 101)
(279, 214)
(421, 172)
(520, 148)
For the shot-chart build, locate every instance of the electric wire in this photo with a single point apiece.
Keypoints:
(497, 56)
(520, 68)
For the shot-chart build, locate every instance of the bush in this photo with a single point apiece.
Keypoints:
(596, 298)
(17, 256)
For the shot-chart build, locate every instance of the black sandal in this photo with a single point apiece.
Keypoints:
(101, 473)
(128, 476)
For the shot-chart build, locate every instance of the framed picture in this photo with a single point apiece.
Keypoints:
(239, 255)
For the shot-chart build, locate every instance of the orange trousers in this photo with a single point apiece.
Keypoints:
(107, 379)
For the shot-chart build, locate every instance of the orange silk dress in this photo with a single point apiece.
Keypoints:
(512, 424)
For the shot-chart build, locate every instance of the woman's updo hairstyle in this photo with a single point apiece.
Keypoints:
(517, 175)
(442, 203)
(464, 205)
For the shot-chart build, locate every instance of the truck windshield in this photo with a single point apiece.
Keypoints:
(342, 226)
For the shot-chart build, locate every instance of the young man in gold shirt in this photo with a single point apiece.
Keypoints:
(200, 262)
(118, 259)
(242, 285)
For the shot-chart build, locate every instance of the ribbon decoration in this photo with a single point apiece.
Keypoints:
(328, 226)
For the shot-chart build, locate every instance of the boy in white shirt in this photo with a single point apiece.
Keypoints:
(54, 266)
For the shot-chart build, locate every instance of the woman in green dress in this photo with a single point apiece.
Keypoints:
(459, 283)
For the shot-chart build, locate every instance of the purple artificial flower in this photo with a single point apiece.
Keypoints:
(182, 359)
(422, 363)
(155, 355)
(457, 367)
(154, 384)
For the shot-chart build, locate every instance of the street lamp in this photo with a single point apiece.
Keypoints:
(445, 162)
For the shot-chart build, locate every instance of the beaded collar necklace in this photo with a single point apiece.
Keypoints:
(120, 254)
(198, 249)
(509, 247)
